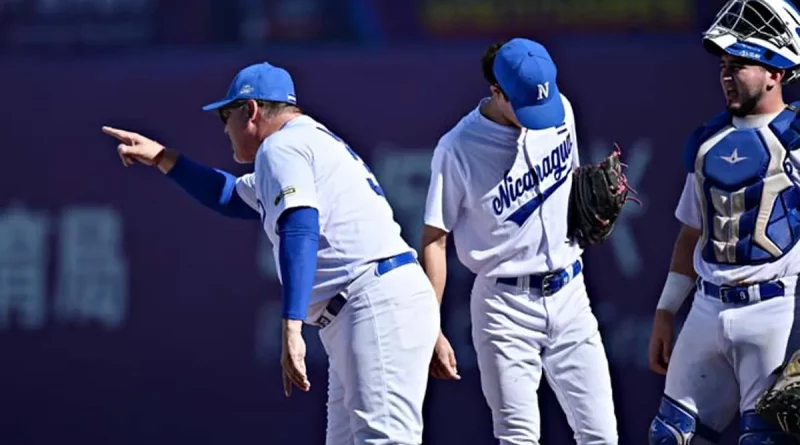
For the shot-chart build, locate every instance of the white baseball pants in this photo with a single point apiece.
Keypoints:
(518, 334)
(379, 348)
(725, 355)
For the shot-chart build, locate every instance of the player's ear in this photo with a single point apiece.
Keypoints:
(497, 93)
(252, 108)
(774, 77)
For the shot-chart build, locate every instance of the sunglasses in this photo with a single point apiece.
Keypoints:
(225, 113)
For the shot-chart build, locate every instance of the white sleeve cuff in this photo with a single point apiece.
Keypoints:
(676, 289)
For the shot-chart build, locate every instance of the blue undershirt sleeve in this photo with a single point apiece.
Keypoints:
(298, 229)
(214, 188)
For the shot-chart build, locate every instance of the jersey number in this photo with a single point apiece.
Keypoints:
(371, 180)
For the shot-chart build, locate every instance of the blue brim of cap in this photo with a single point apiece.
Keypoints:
(545, 115)
(217, 105)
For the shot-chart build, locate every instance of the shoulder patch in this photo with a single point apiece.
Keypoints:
(284, 193)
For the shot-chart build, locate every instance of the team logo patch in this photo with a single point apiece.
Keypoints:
(284, 193)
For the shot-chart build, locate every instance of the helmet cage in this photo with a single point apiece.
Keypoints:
(756, 30)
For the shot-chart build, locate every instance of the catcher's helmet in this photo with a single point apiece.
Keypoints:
(765, 31)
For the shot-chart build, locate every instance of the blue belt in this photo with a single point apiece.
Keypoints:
(548, 283)
(384, 266)
(742, 293)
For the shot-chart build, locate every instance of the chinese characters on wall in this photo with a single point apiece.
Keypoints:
(68, 268)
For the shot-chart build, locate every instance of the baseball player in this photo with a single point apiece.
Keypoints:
(500, 182)
(343, 264)
(738, 240)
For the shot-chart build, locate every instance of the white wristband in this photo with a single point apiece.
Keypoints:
(676, 289)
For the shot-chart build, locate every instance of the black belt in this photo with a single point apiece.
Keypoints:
(548, 283)
(384, 266)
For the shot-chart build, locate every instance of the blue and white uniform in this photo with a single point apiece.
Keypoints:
(503, 192)
(344, 265)
(741, 193)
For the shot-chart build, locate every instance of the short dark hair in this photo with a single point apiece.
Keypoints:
(487, 63)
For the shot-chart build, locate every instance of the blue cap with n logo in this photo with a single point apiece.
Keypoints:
(261, 81)
(526, 73)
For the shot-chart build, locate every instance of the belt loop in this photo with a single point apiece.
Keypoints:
(524, 283)
(754, 293)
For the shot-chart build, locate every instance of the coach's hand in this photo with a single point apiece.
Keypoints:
(134, 148)
(293, 357)
(443, 363)
(661, 339)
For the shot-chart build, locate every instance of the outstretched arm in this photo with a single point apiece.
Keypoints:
(212, 187)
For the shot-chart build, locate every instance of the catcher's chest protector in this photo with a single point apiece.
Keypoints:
(746, 186)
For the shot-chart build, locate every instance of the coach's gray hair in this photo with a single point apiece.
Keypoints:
(271, 109)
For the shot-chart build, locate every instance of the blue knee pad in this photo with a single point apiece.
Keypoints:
(754, 430)
(676, 425)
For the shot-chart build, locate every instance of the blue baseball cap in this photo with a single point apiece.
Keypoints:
(526, 73)
(261, 81)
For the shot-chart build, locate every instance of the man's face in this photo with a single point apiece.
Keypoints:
(241, 130)
(744, 84)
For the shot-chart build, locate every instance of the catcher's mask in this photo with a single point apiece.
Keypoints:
(765, 31)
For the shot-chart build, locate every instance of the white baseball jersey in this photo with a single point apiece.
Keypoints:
(503, 193)
(305, 165)
(689, 212)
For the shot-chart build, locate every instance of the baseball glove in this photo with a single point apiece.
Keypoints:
(780, 404)
(599, 192)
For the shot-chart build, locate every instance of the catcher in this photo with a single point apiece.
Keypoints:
(738, 244)
(505, 182)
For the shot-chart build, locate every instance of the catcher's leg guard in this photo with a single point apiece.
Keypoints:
(756, 431)
(676, 425)
(673, 425)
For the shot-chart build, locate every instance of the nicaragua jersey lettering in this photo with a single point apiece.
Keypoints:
(559, 164)
(743, 176)
(504, 193)
(306, 165)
